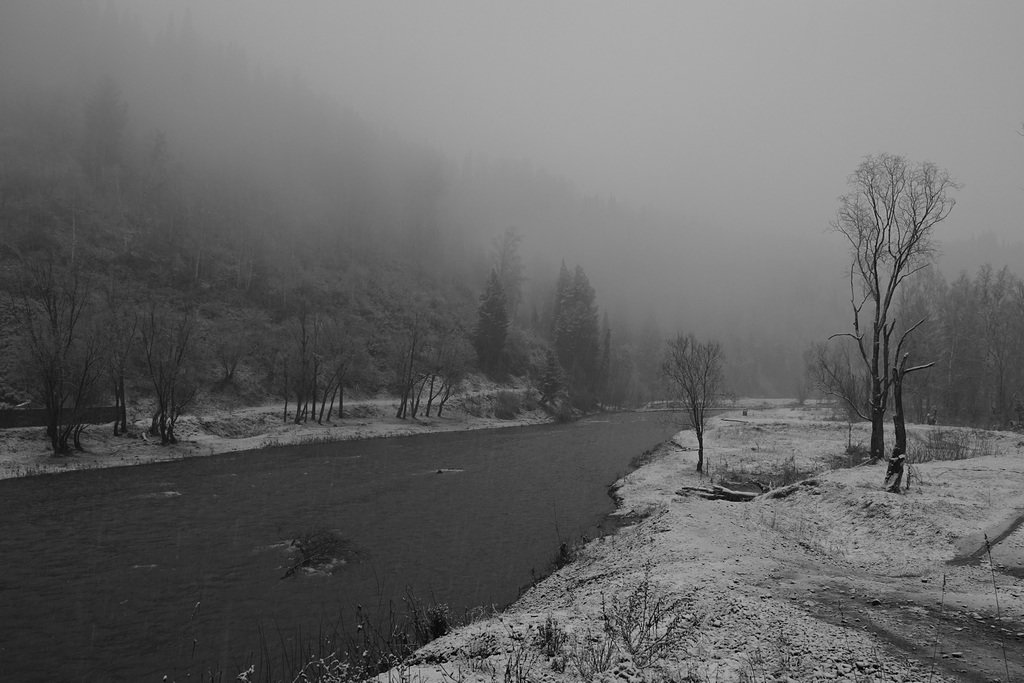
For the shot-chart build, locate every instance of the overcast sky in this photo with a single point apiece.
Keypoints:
(747, 115)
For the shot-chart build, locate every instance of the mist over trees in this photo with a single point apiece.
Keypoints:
(310, 252)
(321, 254)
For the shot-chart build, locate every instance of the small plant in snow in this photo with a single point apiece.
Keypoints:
(550, 637)
(648, 622)
(593, 653)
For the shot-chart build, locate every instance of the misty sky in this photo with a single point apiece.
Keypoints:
(743, 115)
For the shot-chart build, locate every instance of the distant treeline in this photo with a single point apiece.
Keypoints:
(972, 332)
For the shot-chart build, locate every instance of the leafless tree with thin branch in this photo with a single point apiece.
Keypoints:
(888, 217)
(695, 370)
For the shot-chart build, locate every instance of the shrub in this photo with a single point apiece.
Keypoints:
(592, 653)
(427, 621)
(507, 404)
(950, 444)
(562, 411)
(790, 473)
(854, 455)
(648, 622)
(550, 637)
(475, 406)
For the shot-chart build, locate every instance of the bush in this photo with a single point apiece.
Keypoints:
(648, 622)
(475, 406)
(854, 455)
(507, 404)
(428, 621)
(950, 444)
(551, 638)
(561, 411)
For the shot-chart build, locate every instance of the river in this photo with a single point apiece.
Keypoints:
(172, 569)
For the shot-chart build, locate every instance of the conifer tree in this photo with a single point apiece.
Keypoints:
(576, 333)
(492, 326)
(604, 369)
(551, 382)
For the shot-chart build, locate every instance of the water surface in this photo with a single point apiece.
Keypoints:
(133, 573)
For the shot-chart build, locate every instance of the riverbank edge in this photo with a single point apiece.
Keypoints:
(25, 451)
(777, 596)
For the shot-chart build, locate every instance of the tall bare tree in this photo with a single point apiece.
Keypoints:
(168, 340)
(120, 324)
(888, 218)
(64, 355)
(695, 370)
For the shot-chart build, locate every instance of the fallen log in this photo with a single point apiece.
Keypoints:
(787, 491)
(716, 492)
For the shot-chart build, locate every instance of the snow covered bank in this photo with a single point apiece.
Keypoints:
(26, 451)
(838, 581)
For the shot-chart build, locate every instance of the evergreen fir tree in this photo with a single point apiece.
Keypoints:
(604, 369)
(551, 382)
(492, 326)
(576, 334)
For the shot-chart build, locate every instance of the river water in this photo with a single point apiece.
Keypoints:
(170, 569)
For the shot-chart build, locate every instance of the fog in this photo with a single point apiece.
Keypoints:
(744, 116)
(738, 119)
(688, 155)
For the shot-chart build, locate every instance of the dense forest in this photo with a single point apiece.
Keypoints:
(179, 223)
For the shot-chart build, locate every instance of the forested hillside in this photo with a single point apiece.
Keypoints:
(179, 223)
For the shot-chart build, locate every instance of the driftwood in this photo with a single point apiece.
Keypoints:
(786, 491)
(716, 492)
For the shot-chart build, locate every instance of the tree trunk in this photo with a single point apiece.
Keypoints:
(444, 397)
(430, 394)
(124, 405)
(166, 431)
(323, 404)
(65, 434)
(700, 448)
(118, 409)
(877, 434)
(300, 406)
(51, 431)
(898, 420)
(334, 395)
(417, 398)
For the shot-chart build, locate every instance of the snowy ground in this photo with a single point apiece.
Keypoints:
(838, 581)
(26, 451)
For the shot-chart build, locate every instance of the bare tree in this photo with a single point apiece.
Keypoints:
(833, 372)
(409, 344)
(120, 329)
(695, 370)
(63, 351)
(168, 344)
(887, 217)
(445, 365)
